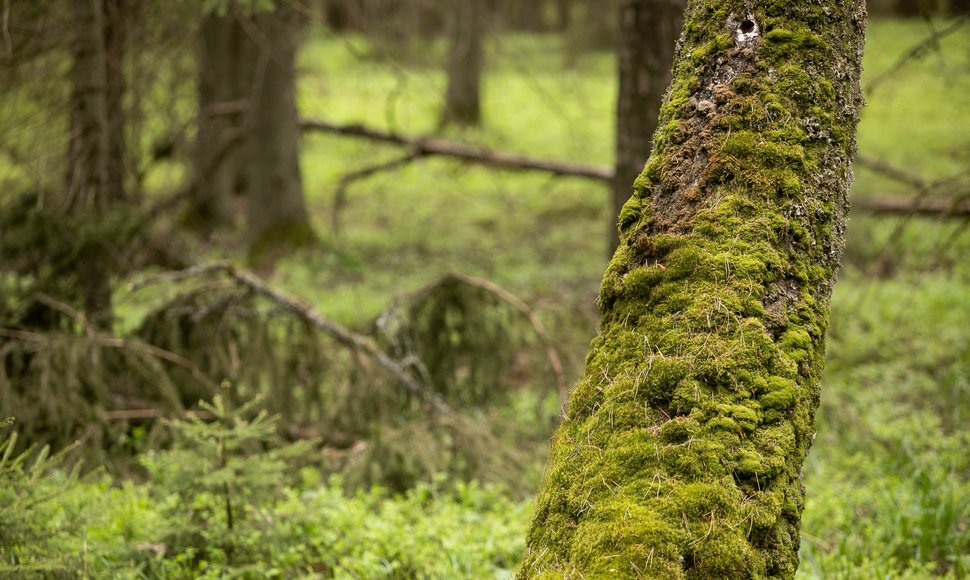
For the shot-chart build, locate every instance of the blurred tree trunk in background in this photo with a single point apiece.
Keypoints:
(526, 15)
(87, 167)
(116, 15)
(564, 15)
(680, 453)
(87, 160)
(648, 33)
(959, 7)
(222, 92)
(463, 95)
(598, 26)
(276, 212)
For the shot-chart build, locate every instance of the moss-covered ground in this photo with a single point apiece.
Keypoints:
(888, 479)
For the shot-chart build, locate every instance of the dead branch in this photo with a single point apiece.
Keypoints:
(917, 52)
(107, 341)
(918, 206)
(356, 342)
(473, 154)
(892, 172)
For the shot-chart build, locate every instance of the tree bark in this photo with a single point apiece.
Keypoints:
(463, 96)
(87, 147)
(648, 32)
(681, 452)
(87, 163)
(115, 36)
(221, 84)
(276, 212)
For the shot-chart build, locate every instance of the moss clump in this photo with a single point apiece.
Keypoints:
(680, 454)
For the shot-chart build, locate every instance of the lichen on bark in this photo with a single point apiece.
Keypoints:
(681, 451)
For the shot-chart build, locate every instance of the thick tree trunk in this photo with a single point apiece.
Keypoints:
(959, 7)
(681, 451)
(648, 32)
(222, 94)
(276, 212)
(87, 163)
(463, 96)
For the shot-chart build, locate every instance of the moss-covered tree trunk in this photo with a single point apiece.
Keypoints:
(648, 32)
(681, 452)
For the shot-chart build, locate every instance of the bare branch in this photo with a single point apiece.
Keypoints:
(470, 153)
(918, 205)
(916, 52)
(340, 195)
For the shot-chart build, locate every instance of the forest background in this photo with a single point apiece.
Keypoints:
(371, 392)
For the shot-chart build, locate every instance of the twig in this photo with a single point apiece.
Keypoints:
(82, 320)
(340, 195)
(465, 152)
(916, 52)
(341, 334)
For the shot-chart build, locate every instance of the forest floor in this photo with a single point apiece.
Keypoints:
(888, 479)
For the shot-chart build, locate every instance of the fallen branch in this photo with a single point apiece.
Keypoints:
(426, 147)
(356, 342)
(929, 207)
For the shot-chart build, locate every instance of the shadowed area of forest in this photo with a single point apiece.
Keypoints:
(300, 289)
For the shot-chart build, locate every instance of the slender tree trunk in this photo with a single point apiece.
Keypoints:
(222, 92)
(463, 96)
(681, 452)
(115, 36)
(648, 32)
(87, 163)
(276, 212)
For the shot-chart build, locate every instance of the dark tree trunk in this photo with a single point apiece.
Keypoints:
(648, 33)
(681, 451)
(116, 15)
(223, 90)
(87, 163)
(463, 96)
(87, 149)
(564, 15)
(276, 212)
(527, 15)
(959, 7)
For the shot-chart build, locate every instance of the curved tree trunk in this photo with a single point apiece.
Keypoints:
(463, 97)
(681, 451)
(648, 32)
